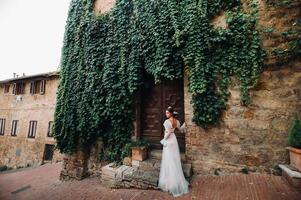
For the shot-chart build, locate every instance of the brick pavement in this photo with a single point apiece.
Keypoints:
(43, 183)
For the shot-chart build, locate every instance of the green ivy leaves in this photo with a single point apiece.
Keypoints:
(104, 59)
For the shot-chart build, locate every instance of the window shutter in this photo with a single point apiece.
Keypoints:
(15, 88)
(35, 128)
(32, 87)
(42, 87)
(22, 88)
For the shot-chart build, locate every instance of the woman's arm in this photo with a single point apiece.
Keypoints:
(182, 128)
(167, 128)
(167, 132)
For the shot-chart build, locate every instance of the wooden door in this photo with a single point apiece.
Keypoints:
(173, 95)
(154, 101)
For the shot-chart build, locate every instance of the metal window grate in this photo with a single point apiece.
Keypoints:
(32, 129)
(2, 126)
(50, 129)
(14, 128)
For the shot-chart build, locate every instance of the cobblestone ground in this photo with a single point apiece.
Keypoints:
(43, 183)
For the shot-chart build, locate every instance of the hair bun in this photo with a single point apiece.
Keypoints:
(170, 109)
(175, 113)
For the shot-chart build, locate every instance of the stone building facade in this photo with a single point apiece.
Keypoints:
(26, 116)
(252, 137)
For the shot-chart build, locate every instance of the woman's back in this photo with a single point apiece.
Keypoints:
(170, 127)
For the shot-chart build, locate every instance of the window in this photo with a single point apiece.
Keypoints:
(6, 88)
(14, 127)
(32, 129)
(50, 129)
(2, 126)
(37, 87)
(18, 88)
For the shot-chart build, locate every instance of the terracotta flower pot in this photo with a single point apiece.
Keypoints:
(295, 157)
(139, 153)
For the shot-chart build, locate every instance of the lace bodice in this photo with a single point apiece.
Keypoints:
(169, 129)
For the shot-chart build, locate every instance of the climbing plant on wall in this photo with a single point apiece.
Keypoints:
(289, 37)
(104, 58)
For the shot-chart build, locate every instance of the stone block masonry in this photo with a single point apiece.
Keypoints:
(20, 150)
(129, 177)
(252, 137)
(255, 136)
(141, 174)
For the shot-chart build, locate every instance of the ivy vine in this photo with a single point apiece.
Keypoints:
(104, 58)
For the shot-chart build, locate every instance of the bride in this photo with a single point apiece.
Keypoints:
(171, 176)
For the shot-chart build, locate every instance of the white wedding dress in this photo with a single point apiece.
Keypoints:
(171, 176)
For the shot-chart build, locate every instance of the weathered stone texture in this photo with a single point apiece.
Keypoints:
(21, 151)
(253, 136)
(103, 6)
(74, 166)
(83, 163)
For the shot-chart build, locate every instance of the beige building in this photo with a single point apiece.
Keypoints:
(27, 106)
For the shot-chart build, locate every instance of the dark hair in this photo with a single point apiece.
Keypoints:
(171, 110)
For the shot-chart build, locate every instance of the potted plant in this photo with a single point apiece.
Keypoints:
(139, 149)
(294, 141)
(126, 154)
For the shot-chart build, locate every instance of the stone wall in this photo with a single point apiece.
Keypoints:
(103, 6)
(253, 136)
(83, 163)
(20, 151)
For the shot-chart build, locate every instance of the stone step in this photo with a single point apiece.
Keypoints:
(293, 177)
(128, 177)
(157, 154)
(153, 164)
(143, 176)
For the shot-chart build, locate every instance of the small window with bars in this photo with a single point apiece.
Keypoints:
(32, 129)
(50, 129)
(2, 126)
(14, 128)
(18, 88)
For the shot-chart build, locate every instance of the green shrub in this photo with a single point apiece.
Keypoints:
(126, 152)
(294, 138)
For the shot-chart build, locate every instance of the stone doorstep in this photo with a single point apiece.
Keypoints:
(148, 164)
(157, 154)
(121, 170)
(127, 175)
(152, 164)
(293, 177)
(143, 174)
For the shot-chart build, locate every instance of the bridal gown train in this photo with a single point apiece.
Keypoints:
(171, 176)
